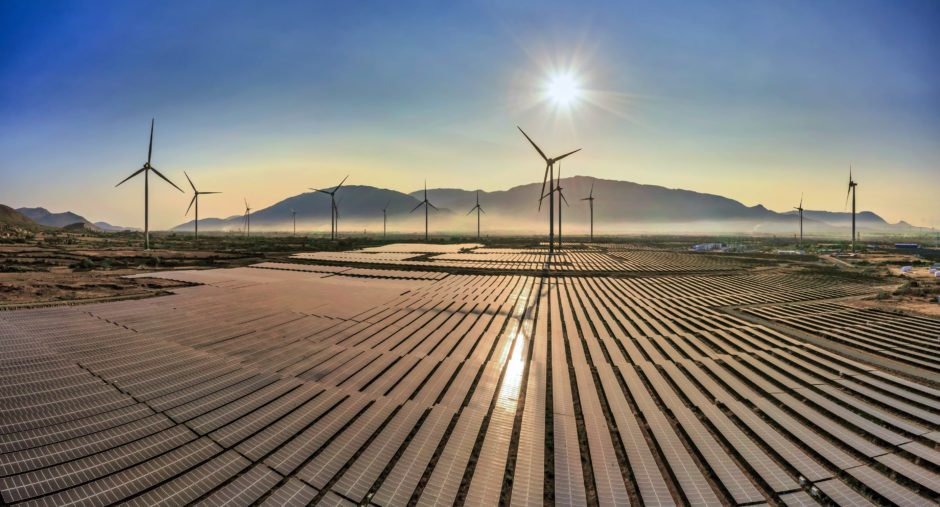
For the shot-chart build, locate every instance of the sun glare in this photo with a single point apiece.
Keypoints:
(563, 90)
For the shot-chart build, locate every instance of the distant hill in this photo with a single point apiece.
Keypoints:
(106, 227)
(357, 204)
(620, 206)
(67, 219)
(82, 227)
(14, 222)
(46, 217)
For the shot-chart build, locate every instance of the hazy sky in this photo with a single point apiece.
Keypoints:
(755, 100)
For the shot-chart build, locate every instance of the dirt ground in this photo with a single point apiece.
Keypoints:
(18, 289)
(909, 306)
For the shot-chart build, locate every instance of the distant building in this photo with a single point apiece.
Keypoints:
(907, 245)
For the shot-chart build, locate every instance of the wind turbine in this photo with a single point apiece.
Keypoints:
(293, 214)
(561, 196)
(332, 194)
(426, 204)
(852, 185)
(479, 209)
(800, 209)
(549, 177)
(336, 216)
(195, 200)
(247, 219)
(590, 200)
(385, 219)
(146, 170)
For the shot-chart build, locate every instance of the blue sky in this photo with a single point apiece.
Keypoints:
(758, 101)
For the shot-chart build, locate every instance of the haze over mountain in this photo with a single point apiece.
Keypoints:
(620, 207)
(43, 216)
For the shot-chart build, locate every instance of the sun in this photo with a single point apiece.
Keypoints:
(563, 90)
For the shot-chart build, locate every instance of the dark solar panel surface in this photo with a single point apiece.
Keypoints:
(369, 380)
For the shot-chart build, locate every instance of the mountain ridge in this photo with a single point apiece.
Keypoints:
(637, 207)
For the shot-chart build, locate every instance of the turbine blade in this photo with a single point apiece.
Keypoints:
(246, 202)
(416, 207)
(166, 179)
(533, 144)
(190, 182)
(142, 169)
(472, 210)
(431, 205)
(150, 149)
(592, 190)
(204, 193)
(563, 199)
(542, 192)
(847, 198)
(191, 204)
(801, 200)
(341, 183)
(566, 154)
(481, 209)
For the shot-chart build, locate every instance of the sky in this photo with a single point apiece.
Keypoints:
(758, 101)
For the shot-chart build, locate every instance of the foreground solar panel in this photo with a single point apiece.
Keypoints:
(616, 375)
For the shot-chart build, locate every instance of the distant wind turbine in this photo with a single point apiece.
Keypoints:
(332, 194)
(426, 204)
(800, 209)
(247, 219)
(385, 219)
(479, 209)
(146, 170)
(195, 201)
(590, 200)
(293, 214)
(549, 177)
(852, 185)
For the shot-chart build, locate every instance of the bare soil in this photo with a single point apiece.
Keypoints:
(18, 289)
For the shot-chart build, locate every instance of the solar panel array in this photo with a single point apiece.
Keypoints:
(906, 338)
(608, 258)
(295, 387)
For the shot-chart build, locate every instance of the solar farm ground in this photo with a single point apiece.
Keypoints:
(396, 377)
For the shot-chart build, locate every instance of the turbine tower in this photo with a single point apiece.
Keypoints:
(247, 219)
(385, 219)
(479, 209)
(146, 170)
(332, 194)
(590, 200)
(195, 200)
(336, 216)
(561, 197)
(549, 177)
(800, 209)
(426, 204)
(852, 185)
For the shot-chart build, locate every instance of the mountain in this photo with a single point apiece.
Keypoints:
(620, 206)
(357, 204)
(106, 227)
(68, 220)
(81, 227)
(647, 203)
(46, 217)
(13, 222)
